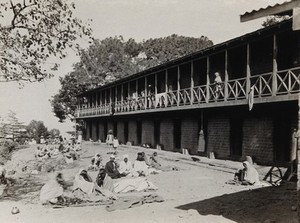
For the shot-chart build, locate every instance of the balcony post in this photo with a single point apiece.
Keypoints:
(275, 68)
(178, 85)
(192, 82)
(166, 79)
(248, 72)
(226, 76)
(155, 88)
(122, 92)
(207, 80)
(146, 91)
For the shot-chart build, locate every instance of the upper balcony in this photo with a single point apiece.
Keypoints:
(264, 64)
(268, 87)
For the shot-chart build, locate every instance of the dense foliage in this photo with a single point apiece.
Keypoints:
(32, 33)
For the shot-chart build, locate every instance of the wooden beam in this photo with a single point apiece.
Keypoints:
(192, 82)
(282, 9)
(226, 76)
(146, 92)
(178, 85)
(122, 92)
(155, 88)
(166, 80)
(248, 71)
(275, 68)
(207, 80)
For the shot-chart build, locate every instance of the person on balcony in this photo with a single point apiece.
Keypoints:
(218, 82)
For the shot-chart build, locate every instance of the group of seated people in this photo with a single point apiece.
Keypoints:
(142, 166)
(69, 149)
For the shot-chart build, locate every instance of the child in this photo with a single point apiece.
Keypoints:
(115, 144)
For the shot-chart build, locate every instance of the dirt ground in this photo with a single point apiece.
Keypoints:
(195, 193)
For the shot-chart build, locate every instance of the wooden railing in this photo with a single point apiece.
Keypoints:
(283, 82)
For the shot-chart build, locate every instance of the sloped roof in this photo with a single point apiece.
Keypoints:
(284, 8)
(284, 25)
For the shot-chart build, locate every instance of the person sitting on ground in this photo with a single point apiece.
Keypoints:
(140, 167)
(84, 186)
(154, 161)
(111, 168)
(104, 184)
(96, 162)
(3, 179)
(125, 168)
(248, 175)
(145, 158)
(53, 190)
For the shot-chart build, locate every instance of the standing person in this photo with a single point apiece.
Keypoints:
(109, 138)
(218, 82)
(115, 144)
(111, 168)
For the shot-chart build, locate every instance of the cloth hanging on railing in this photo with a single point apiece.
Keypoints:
(251, 98)
(160, 99)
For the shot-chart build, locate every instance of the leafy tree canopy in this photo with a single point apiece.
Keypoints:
(32, 33)
(36, 129)
(113, 58)
(272, 20)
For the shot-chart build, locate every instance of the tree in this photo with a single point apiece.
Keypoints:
(36, 129)
(54, 133)
(113, 58)
(272, 20)
(32, 33)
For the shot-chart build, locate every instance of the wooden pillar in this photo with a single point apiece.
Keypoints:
(275, 69)
(128, 94)
(110, 95)
(178, 85)
(105, 95)
(166, 78)
(207, 80)
(122, 92)
(248, 72)
(100, 96)
(146, 92)
(226, 76)
(155, 88)
(136, 87)
(297, 158)
(192, 82)
(116, 93)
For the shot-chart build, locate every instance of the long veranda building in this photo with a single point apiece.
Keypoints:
(171, 103)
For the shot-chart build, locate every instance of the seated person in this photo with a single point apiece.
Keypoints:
(111, 168)
(145, 157)
(140, 167)
(125, 168)
(53, 190)
(104, 184)
(154, 162)
(248, 175)
(96, 162)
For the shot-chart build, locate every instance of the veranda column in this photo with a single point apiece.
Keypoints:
(226, 77)
(298, 155)
(166, 87)
(155, 89)
(146, 92)
(207, 80)
(192, 82)
(275, 69)
(178, 85)
(248, 72)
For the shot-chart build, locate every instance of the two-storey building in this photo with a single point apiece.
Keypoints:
(171, 103)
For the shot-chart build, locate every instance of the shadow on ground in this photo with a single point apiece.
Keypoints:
(27, 188)
(257, 205)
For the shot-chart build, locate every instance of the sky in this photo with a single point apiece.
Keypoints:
(139, 19)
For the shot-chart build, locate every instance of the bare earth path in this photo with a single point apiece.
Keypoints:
(193, 194)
